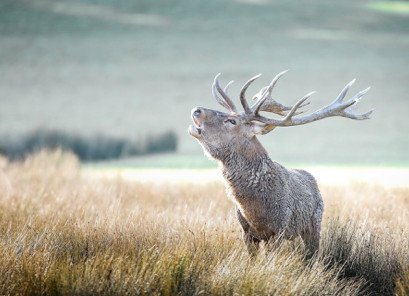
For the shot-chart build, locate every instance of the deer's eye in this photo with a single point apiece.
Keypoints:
(232, 121)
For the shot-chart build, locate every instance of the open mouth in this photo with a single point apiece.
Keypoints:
(197, 124)
(195, 129)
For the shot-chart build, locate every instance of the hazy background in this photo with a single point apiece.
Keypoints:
(129, 68)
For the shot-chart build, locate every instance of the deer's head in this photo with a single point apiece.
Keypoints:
(223, 133)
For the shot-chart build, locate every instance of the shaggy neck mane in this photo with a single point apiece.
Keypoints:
(248, 168)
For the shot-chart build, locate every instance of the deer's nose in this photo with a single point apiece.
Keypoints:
(196, 112)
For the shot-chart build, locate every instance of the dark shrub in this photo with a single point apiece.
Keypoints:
(97, 147)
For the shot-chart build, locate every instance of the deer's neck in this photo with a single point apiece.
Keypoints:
(246, 172)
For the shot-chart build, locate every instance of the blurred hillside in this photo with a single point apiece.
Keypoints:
(129, 68)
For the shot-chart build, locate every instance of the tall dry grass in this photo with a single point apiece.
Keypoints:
(67, 233)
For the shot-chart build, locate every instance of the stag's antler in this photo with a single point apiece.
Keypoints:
(266, 103)
(336, 108)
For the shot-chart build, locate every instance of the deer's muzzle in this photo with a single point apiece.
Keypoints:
(195, 130)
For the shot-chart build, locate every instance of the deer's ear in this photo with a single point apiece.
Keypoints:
(262, 128)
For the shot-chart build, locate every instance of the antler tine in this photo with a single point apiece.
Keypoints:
(243, 94)
(342, 94)
(218, 99)
(363, 116)
(271, 105)
(226, 88)
(227, 102)
(357, 99)
(256, 107)
(298, 105)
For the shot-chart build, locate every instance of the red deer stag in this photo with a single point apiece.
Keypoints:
(272, 202)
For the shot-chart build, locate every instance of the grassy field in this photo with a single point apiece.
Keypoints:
(66, 232)
(130, 68)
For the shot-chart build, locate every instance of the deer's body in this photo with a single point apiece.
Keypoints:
(272, 202)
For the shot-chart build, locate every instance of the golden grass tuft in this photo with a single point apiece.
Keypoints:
(64, 232)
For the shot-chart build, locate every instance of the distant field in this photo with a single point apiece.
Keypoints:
(200, 162)
(335, 176)
(128, 68)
